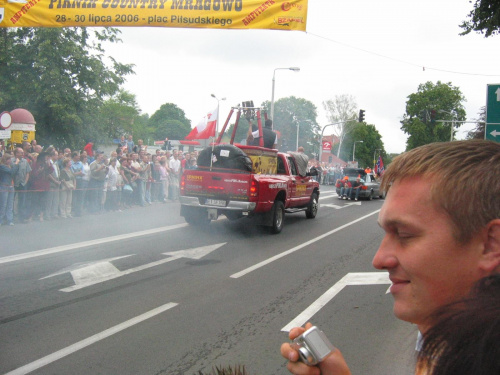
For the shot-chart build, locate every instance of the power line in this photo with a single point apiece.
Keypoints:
(401, 61)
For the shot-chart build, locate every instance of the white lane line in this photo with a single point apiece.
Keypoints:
(354, 278)
(329, 196)
(89, 341)
(296, 248)
(78, 245)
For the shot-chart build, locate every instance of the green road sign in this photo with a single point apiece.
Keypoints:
(492, 130)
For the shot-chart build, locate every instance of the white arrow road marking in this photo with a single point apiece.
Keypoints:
(327, 195)
(332, 206)
(82, 272)
(297, 248)
(361, 278)
(92, 273)
(79, 245)
(89, 341)
(340, 207)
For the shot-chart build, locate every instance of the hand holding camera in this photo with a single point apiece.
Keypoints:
(309, 350)
(313, 346)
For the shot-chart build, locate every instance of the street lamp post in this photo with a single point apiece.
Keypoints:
(297, 122)
(452, 122)
(321, 137)
(295, 69)
(354, 149)
(217, 121)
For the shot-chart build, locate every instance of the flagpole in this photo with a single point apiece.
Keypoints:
(217, 122)
(375, 158)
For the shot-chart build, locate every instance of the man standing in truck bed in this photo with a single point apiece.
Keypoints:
(270, 137)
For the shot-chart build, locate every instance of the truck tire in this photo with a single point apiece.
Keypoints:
(278, 217)
(196, 217)
(312, 208)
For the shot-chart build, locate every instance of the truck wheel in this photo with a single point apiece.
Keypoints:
(312, 208)
(278, 217)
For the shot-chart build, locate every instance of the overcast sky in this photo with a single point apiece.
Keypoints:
(378, 51)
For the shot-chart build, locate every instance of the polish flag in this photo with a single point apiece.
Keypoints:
(205, 128)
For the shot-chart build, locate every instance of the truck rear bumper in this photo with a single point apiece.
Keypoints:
(230, 206)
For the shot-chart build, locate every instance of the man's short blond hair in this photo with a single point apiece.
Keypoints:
(465, 180)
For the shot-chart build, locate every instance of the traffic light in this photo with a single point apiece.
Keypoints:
(361, 115)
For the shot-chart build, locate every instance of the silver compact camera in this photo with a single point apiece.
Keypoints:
(313, 346)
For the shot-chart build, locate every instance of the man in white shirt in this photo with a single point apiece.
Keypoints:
(175, 166)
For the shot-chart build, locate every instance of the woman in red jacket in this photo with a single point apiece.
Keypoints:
(41, 185)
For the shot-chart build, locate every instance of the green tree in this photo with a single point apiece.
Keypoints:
(427, 109)
(372, 145)
(293, 113)
(141, 130)
(59, 75)
(484, 18)
(118, 115)
(169, 122)
(478, 131)
(341, 111)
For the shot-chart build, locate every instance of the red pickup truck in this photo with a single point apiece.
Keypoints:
(246, 181)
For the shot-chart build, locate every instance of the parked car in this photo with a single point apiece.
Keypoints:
(370, 188)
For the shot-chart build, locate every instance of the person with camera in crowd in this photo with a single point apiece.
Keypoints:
(439, 211)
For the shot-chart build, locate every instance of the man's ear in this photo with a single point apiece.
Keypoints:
(491, 255)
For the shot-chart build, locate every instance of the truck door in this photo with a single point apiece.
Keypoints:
(299, 195)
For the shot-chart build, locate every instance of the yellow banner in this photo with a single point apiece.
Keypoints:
(214, 14)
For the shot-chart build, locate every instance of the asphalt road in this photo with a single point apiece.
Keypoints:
(117, 294)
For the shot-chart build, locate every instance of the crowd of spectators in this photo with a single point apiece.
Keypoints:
(38, 184)
(328, 173)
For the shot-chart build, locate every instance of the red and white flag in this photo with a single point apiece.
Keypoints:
(205, 128)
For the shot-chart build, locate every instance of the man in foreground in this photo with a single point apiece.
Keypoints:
(441, 219)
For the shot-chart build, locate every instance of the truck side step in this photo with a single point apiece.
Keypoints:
(294, 210)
